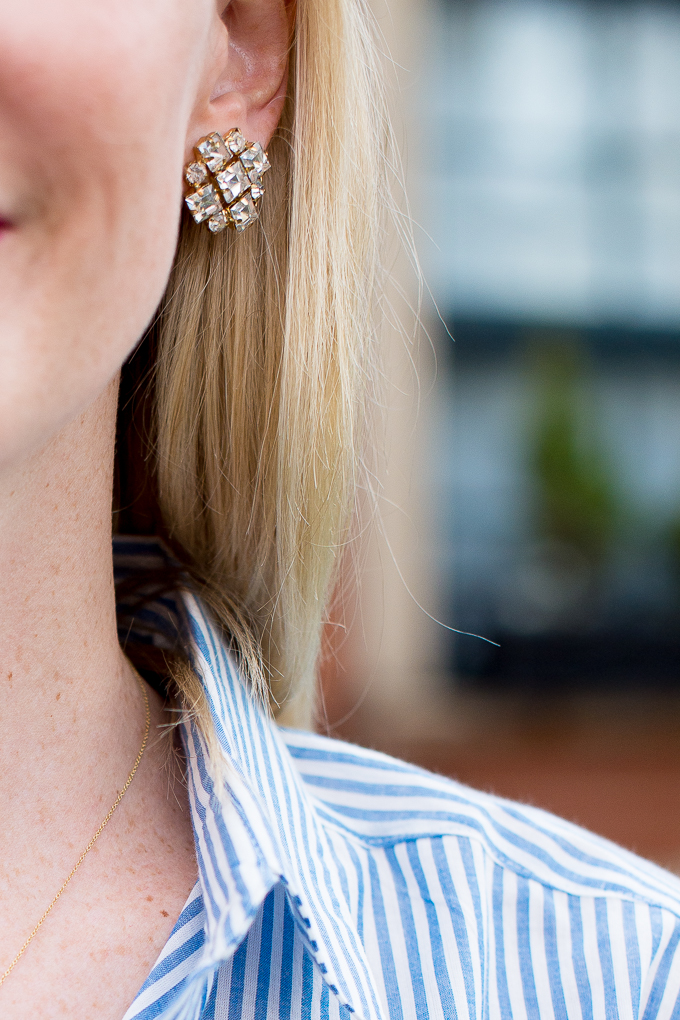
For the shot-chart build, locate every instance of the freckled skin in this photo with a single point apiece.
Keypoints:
(64, 330)
(121, 910)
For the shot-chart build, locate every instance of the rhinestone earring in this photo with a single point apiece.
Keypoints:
(227, 175)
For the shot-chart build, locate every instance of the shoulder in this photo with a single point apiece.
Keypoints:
(530, 914)
(381, 801)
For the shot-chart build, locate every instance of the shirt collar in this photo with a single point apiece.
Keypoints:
(258, 825)
(262, 829)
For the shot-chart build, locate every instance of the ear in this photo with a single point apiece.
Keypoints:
(246, 72)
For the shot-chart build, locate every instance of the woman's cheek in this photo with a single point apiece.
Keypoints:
(92, 139)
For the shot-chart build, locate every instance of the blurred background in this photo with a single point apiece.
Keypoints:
(531, 492)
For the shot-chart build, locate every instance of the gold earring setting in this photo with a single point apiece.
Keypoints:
(227, 178)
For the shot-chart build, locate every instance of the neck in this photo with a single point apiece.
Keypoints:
(72, 720)
(69, 699)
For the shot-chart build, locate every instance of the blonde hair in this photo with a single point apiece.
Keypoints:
(265, 361)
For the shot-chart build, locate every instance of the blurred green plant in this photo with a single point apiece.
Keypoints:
(576, 495)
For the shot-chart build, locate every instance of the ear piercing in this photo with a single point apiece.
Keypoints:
(227, 178)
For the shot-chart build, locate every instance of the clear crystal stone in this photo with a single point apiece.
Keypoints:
(217, 222)
(232, 181)
(235, 141)
(257, 191)
(214, 152)
(195, 174)
(255, 160)
(243, 212)
(203, 203)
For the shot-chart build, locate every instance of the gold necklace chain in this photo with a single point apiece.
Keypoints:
(92, 842)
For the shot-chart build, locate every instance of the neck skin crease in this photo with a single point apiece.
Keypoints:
(72, 717)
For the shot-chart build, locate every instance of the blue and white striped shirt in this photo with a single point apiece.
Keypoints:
(337, 881)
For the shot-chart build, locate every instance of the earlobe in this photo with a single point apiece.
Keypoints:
(245, 82)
